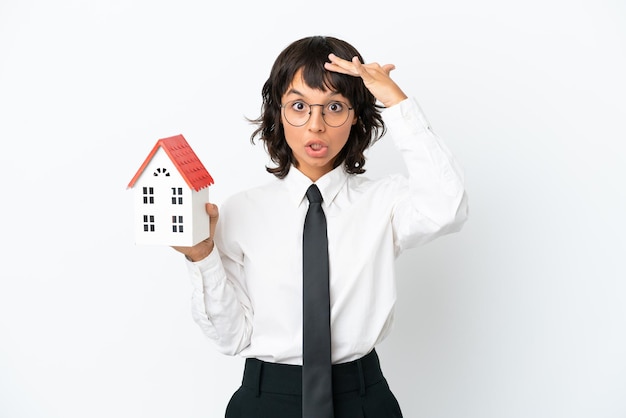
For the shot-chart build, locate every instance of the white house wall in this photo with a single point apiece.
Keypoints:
(200, 218)
(195, 220)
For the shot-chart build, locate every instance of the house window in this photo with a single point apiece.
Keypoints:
(161, 171)
(148, 195)
(177, 224)
(177, 195)
(148, 223)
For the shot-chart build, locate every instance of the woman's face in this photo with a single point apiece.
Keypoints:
(315, 144)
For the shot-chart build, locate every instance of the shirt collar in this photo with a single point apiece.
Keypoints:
(329, 184)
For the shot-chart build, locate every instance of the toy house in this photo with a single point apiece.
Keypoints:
(170, 191)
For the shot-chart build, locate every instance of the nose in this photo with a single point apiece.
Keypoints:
(316, 119)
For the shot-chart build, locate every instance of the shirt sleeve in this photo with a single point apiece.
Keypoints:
(434, 201)
(219, 305)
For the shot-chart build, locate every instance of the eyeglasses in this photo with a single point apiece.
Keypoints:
(298, 113)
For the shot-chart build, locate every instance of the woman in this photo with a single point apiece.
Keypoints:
(322, 108)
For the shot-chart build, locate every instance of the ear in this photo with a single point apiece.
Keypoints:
(355, 119)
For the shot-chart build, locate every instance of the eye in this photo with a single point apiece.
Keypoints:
(299, 106)
(335, 107)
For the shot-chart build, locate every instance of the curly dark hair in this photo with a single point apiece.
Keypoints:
(310, 54)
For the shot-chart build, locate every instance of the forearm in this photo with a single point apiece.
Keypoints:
(219, 306)
(436, 202)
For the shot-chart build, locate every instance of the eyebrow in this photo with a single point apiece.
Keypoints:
(299, 93)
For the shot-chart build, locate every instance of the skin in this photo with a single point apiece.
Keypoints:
(315, 145)
(317, 161)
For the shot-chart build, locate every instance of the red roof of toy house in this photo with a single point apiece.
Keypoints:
(184, 158)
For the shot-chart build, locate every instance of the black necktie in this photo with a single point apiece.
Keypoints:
(317, 393)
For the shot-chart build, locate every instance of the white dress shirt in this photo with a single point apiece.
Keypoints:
(247, 295)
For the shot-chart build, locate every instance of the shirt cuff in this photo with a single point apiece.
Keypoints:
(406, 119)
(207, 272)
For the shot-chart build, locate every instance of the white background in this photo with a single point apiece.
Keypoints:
(520, 315)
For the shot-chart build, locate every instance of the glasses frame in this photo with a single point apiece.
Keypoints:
(323, 106)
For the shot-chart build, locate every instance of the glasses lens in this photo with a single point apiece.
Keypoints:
(336, 113)
(297, 113)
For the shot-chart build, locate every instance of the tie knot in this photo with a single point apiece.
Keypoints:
(313, 194)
